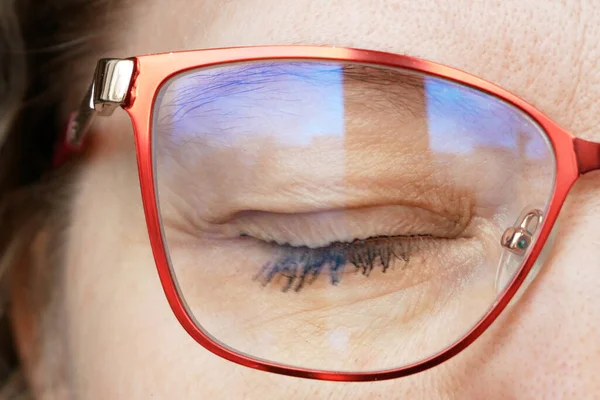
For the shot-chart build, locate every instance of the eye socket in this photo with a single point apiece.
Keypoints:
(293, 140)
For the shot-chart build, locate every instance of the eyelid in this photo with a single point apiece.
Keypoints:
(319, 229)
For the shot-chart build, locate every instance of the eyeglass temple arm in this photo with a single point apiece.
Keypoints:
(588, 155)
(108, 91)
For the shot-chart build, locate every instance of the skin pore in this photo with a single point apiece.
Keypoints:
(114, 333)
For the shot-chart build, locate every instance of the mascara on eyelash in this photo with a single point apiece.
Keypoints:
(302, 265)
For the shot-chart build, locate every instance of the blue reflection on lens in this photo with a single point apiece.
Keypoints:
(326, 117)
(291, 102)
(462, 120)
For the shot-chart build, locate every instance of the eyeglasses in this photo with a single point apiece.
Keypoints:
(333, 213)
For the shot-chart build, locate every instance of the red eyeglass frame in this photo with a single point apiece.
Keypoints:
(144, 77)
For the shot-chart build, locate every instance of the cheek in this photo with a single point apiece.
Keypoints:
(124, 341)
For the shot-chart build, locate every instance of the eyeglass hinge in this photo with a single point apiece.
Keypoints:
(108, 91)
(111, 84)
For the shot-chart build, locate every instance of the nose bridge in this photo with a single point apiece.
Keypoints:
(588, 155)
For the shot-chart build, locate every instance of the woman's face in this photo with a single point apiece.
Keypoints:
(117, 334)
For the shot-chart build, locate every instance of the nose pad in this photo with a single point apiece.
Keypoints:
(515, 241)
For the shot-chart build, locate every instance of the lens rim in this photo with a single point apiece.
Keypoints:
(151, 72)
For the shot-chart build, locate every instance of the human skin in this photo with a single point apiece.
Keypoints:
(118, 336)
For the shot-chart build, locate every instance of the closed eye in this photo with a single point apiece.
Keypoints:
(299, 266)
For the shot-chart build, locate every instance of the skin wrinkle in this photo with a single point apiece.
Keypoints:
(543, 347)
(411, 316)
(360, 223)
(256, 221)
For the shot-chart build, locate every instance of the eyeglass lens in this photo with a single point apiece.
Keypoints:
(343, 216)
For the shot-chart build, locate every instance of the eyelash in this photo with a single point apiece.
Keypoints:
(301, 265)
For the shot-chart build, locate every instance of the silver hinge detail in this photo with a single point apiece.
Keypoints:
(111, 84)
(108, 91)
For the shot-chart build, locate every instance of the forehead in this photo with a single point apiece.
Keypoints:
(543, 51)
